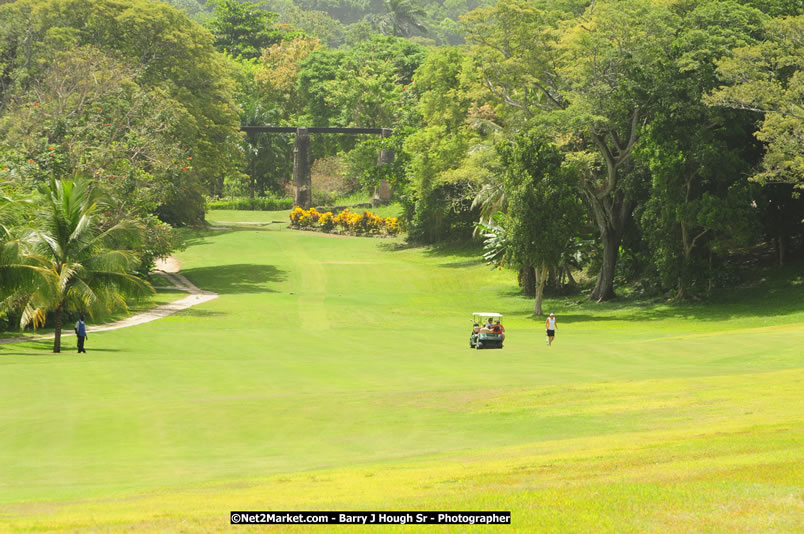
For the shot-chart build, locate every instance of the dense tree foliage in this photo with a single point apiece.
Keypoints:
(243, 29)
(595, 77)
(768, 78)
(170, 57)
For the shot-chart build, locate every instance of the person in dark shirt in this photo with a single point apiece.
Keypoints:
(81, 333)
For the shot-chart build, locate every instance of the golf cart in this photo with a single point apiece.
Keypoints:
(481, 337)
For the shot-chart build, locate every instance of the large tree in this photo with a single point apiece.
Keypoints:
(402, 18)
(584, 76)
(592, 75)
(698, 200)
(243, 29)
(544, 213)
(172, 55)
(440, 192)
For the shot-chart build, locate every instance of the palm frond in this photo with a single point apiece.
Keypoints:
(85, 295)
(120, 261)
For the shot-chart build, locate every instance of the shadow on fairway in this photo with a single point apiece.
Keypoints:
(467, 254)
(195, 312)
(237, 278)
(44, 348)
(562, 317)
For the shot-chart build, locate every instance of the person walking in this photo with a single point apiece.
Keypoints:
(550, 326)
(81, 333)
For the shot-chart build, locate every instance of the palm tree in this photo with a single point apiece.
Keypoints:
(17, 276)
(401, 19)
(86, 268)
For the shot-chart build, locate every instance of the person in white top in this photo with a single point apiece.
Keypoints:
(550, 325)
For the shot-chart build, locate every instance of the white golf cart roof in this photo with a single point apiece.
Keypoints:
(487, 314)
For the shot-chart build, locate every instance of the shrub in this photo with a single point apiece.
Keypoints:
(392, 226)
(342, 219)
(306, 220)
(369, 223)
(326, 221)
(296, 215)
(365, 223)
(323, 198)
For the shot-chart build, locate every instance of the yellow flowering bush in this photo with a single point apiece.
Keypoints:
(326, 221)
(295, 215)
(369, 223)
(306, 220)
(361, 223)
(342, 219)
(391, 225)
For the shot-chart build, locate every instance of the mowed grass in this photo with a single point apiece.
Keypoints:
(334, 373)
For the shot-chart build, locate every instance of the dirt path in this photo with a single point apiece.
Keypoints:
(169, 270)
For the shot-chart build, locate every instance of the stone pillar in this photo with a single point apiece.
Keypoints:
(382, 193)
(302, 179)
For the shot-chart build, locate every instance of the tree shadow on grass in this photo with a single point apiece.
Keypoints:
(780, 292)
(563, 317)
(195, 312)
(469, 252)
(236, 278)
(394, 246)
(736, 304)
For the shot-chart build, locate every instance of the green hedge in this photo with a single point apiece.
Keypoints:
(269, 203)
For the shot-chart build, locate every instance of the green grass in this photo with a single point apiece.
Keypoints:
(267, 203)
(335, 373)
(226, 216)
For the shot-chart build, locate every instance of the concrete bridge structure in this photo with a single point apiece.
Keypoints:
(302, 178)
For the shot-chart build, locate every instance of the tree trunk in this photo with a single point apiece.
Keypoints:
(527, 280)
(611, 215)
(604, 288)
(302, 179)
(57, 338)
(681, 293)
(541, 278)
(570, 280)
(252, 181)
(553, 280)
(609, 204)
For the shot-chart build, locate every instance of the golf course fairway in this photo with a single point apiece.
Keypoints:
(334, 373)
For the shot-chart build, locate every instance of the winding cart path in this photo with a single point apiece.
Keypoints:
(169, 270)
